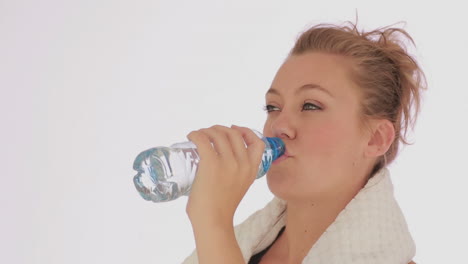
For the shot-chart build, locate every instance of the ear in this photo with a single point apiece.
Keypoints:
(381, 138)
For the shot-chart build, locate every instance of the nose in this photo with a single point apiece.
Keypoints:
(282, 126)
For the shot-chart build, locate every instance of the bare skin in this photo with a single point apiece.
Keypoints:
(330, 156)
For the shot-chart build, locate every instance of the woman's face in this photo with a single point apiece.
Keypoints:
(314, 107)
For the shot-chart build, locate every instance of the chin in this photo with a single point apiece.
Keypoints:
(290, 186)
(279, 184)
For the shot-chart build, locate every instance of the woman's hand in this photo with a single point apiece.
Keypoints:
(226, 171)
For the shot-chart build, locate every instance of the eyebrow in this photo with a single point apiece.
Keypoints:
(305, 87)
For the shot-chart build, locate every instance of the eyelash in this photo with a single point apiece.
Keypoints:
(268, 108)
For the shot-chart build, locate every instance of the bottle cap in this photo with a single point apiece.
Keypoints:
(277, 146)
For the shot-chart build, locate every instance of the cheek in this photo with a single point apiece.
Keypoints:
(331, 138)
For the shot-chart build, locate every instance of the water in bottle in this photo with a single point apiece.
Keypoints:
(166, 173)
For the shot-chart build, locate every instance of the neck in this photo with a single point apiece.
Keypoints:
(307, 221)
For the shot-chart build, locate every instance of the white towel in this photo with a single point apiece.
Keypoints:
(370, 230)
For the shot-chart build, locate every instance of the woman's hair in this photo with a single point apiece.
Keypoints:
(390, 79)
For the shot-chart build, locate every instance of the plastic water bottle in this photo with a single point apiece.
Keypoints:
(167, 173)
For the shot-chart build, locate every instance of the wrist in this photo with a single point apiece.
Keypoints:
(211, 221)
(217, 244)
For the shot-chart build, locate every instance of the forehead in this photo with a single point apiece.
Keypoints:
(332, 72)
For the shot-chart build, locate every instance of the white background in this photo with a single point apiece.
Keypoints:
(86, 85)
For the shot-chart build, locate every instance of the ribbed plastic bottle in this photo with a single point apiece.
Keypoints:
(167, 173)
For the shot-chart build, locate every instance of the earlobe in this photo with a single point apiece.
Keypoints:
(381, 138)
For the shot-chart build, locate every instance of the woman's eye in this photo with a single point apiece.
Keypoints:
(305, 106)
(269, 108)
(310, 106)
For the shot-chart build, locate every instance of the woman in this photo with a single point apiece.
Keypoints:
(342, 102)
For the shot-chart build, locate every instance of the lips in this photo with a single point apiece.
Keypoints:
(282, 157)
